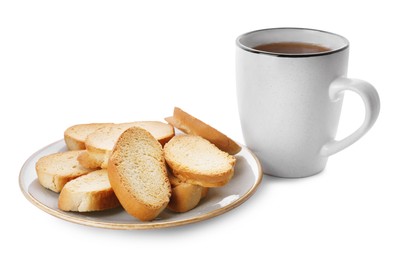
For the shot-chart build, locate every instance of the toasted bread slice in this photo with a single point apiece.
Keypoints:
(191, 125)
(185, 196)
(55, 170)
(90, 192)
(75, 136)
(195, 160)
(91, 160)
(137, 173)
(99, 144)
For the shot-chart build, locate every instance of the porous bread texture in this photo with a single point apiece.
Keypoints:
(192, 125)
(195, 160)
(100, 143)
(137, 173)
(75, 136)
(55, 170)
(185, 196)
(90, 192)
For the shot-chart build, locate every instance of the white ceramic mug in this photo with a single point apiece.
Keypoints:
(290, 104)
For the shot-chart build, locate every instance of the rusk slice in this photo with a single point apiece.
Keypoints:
(90, 192)
(185, 196)
(137, 173)
(75, 136)
(100, 143)
(191, 125)
(55, 170)
(195, 160)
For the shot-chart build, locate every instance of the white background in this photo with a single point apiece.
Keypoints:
(69, 62)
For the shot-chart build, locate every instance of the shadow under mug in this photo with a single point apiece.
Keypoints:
(290, 103)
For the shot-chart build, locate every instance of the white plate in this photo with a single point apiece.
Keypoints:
(247, 177)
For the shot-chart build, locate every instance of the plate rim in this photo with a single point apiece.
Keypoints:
(144, 225)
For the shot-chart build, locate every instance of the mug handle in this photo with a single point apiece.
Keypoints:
(371, 102)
